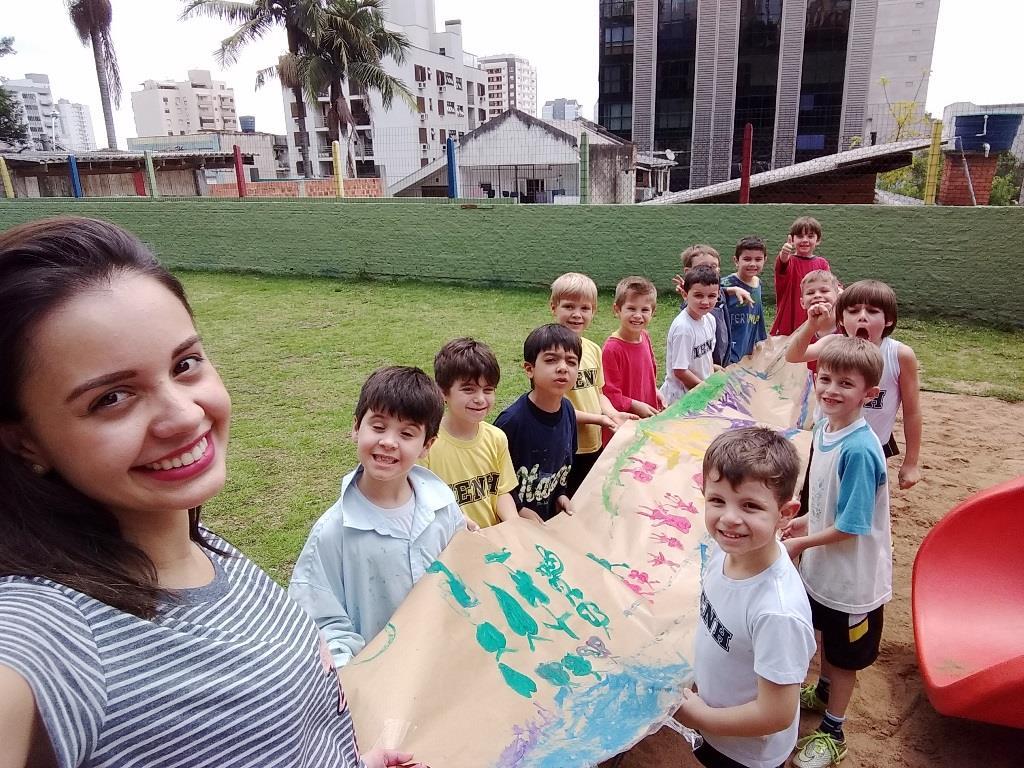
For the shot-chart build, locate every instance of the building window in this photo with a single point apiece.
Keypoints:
(810, 142)
(616, 8)
(618, 117)
(441, 51)
(420, 73)
(618, 40)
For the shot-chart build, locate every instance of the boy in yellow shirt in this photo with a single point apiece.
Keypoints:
(573, 303)
(470, 455)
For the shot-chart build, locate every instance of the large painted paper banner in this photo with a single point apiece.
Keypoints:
(552, 646)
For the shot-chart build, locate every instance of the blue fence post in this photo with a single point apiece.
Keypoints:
(76, 181)
(453, 171)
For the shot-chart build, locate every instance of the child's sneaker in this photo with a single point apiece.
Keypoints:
(809, 699)
(819, 750)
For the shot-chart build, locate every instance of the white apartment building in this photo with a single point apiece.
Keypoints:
(902, 56)
(561, 109)
(38, 111)
(176, 108)
(446, 82)
(511, 84)
(76, 125)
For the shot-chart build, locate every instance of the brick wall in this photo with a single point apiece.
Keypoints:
(954, 189)
(927, 253)
(312, 188)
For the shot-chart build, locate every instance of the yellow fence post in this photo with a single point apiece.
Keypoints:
(5, 175)
(931, 180)
(339, 179)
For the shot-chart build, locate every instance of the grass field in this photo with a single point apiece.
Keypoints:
(293, 353)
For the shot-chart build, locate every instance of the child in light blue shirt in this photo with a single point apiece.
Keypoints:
(391, 521)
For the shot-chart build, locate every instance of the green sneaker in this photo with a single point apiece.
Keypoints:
(819, 750)
(809, 699)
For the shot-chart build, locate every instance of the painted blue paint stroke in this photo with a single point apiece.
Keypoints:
(599, 721)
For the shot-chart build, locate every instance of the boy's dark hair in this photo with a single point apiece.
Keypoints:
(751, 243)
(402, 392)
(806, 225)
(550, 336)
(702, 275)
(874, 293)
(754, 453)
(848, 354)
(465, 359)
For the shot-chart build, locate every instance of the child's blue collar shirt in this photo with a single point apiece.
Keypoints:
(429, 493)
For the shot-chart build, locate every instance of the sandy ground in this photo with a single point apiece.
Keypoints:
(970, 443)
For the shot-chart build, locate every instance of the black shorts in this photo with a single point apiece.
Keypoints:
(890, 448)
(847, 645)
(712, 758)
(582, 463)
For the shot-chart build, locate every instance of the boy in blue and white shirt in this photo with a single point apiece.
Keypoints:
(392, 520)
(845, 541)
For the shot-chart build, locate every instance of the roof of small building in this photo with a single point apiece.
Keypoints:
(851, 159)
(568, 131)
(27, 158)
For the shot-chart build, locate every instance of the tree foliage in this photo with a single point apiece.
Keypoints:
(12, 127)
(1006, 186)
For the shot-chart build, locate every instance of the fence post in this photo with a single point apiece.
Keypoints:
(339, 177)
(239, 172)
(5, 176)
(151, 173)
(584, 168)
(748, 144)
(931, 180)
(453, 170)
(76, 181)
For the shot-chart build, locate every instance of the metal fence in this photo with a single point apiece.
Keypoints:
(972, 156)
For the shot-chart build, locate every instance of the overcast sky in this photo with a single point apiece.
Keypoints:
(977, 55)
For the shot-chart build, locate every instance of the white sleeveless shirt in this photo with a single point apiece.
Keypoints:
(880, 413)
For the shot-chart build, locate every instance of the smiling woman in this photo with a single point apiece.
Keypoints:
(119, 612)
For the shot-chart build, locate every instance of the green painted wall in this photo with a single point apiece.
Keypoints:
(960, 263)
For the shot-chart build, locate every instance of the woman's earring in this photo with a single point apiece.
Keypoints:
(39, 469)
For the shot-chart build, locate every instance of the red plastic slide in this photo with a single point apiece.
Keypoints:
(969, 608)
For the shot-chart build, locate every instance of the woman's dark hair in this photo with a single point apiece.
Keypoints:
(48, 528)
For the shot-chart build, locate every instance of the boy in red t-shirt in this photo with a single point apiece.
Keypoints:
(794, 261)
(630, 371)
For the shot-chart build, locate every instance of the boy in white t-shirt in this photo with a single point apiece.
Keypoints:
(691, 337)
(844, 542)
(755, 641)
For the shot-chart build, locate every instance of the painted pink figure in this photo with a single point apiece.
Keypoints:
(676, 502)
(642, 471)
(698, 481)
(670, 541)
(659, 517)
(660, 559)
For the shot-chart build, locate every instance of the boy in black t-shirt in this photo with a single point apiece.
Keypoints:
(541, 424)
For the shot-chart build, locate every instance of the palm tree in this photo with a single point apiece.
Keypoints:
(350, 47)
(91, 19)
(256, 19)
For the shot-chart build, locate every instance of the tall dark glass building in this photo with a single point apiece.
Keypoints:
(688, 75)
